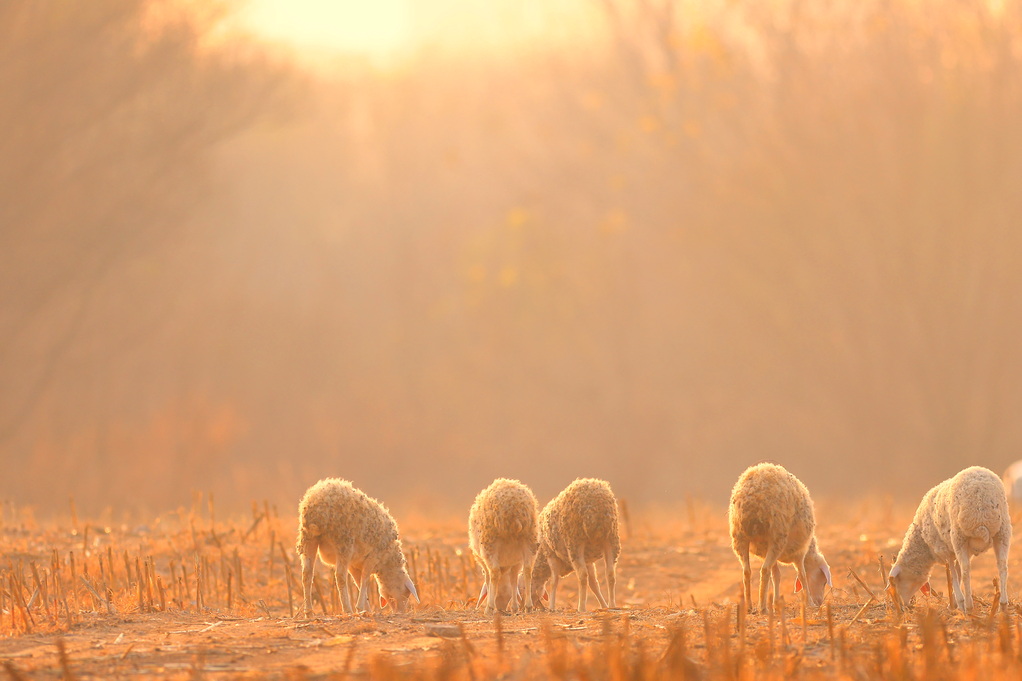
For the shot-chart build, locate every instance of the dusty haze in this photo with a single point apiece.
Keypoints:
(702, 235)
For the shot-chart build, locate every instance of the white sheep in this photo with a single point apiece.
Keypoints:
(577, 528)
(503, 534)
(771, 514)
(959, 518)
(354, 533)
(1012, 480)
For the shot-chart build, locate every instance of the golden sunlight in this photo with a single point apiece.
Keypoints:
(376, 28)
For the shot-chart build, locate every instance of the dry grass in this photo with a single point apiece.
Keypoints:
(188, 596)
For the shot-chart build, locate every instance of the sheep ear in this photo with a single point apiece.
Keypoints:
(925, 588)
(411, 589)
(826, 573)
(383, 602)
(895, 571)
(546, 595)
(798, 585)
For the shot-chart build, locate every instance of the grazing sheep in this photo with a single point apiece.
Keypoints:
(959, 518)
(352, 532)
(1012, 479)
(577, 528)
(503, 534)
(771, 514)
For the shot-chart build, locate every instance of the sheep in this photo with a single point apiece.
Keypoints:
(503, 535)
(771, 514)
(959, 518)
(353, 533)
(577, 528)
(1012, 479)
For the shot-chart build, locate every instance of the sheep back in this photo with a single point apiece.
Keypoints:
(971, 504)
(336, 512)
(771, 506)
(584, 516)
(505, 510)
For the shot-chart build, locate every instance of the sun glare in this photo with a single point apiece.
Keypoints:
(375, 28)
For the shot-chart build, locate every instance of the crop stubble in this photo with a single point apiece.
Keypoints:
(187, 596)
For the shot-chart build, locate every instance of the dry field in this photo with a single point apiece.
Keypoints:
(189, 596)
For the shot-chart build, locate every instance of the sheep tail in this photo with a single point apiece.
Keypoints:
(593, 526)
(754, 526)
(980, 540)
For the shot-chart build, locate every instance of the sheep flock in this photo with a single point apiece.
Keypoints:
(523, 550)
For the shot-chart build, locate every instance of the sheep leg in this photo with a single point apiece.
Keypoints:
(800, 567)
(308, 572)
(555, 576)
(956, 578)
(362, 605)
(341, 580)
(769, 561)
(508, 581)
(611, 566)
(363, 587)
(528, 559)
(482, 591)
(582, 572)
(493, 580)
(517, 575)
(962, 555)
(1001, 544)
(594, 584)
(775, 579)
(351, 582)
(490, 587)
(742, 551)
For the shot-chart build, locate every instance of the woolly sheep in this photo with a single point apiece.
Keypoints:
(577, 528)
(354, 533)
(1012, 479)
(959, 518)
(771, 514)
(503, 534)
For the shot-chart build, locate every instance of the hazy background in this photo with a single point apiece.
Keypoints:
(653, 241)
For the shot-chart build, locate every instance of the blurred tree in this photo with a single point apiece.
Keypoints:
(109, 113)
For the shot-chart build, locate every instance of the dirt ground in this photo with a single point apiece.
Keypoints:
(678, 585)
